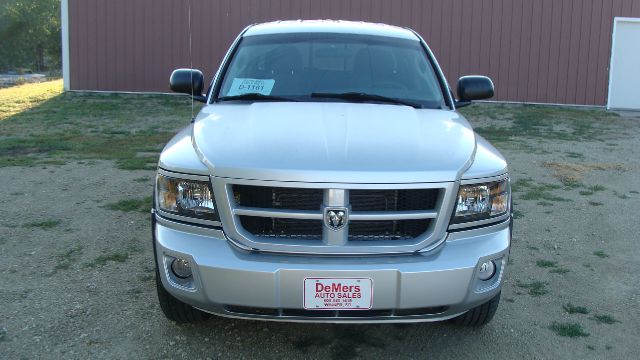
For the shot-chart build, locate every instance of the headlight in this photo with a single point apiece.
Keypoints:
(186, 197)
(482, 201)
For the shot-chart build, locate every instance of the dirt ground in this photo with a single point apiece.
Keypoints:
(77, 278)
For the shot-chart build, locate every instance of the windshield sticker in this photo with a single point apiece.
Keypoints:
(242, 86)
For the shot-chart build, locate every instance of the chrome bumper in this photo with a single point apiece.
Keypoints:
(431, 286)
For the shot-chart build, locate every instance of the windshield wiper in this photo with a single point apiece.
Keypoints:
(255, 96)
(358, 96)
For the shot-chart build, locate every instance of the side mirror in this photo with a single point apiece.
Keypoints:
(187, 80)
(473, 88)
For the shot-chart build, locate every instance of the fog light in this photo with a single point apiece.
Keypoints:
(487, 270)
(181, 268)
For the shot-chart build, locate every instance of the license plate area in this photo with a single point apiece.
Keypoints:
(338, 293)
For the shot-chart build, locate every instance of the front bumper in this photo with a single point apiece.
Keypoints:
(431, 286)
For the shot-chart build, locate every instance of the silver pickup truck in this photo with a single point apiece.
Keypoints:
(329, 178)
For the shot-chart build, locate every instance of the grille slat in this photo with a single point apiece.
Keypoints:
(393, 200)
(278, 197)
(387, 230)
(282, 228)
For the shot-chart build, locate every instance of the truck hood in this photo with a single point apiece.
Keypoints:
(333, 142)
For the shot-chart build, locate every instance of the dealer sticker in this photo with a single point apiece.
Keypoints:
(241, 86)
(338, 293)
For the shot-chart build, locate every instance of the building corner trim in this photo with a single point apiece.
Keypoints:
(64, 20)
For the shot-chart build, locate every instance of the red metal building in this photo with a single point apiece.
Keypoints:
(547, 51)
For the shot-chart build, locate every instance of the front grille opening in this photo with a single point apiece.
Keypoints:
(421, 311)
(308, 313)
(387, 229)
(393, 200)
(249, 310)
(282, 228)
(336, 313)
(277, 197)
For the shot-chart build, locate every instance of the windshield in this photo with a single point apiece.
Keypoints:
(300, 65)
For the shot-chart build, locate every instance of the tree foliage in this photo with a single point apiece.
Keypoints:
(30, 34)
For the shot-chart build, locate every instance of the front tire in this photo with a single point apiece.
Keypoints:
(172, 308)
(175, 309)
(479, 315)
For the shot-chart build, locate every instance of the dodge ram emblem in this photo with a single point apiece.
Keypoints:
(335, 218)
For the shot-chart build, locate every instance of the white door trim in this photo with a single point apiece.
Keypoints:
(616, 20)
(64, 19)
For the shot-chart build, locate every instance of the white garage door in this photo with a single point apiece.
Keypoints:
(624, 71)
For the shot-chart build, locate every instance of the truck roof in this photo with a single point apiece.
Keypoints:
(330, 26)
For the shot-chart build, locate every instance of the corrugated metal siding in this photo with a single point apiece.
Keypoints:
(553, 51)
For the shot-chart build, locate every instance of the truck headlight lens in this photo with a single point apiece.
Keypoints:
(186, 197)
(482, 201)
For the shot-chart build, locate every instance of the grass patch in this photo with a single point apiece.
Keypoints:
(535, 288)
(596, 188)
(595, 203)
(571, 183)
(66, 259)
(141, 205)
(104, 259)
(620, 196)
(17, 99)
(138, 163)
(517, 214)
(47, 224)
(546, 263)
(601, 254)
(559, 270)
(521, 184)
(605, 319)
(542, 192)
(537, 191)
(546, 123)
(572, 309)
(590, 347)
(41, 124)
(568, 329)
(142, 179)
(574, 155)
(586, 192)
(532, 248)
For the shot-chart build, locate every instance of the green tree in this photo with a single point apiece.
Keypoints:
(30, 34)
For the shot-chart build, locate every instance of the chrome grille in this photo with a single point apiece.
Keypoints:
(291, 214)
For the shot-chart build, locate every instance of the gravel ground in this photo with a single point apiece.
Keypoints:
(77, 278)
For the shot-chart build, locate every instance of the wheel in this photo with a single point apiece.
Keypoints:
(175, 309)
(479, 315)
